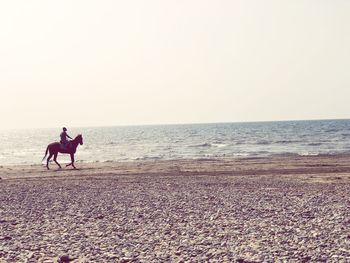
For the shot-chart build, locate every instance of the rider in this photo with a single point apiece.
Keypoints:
(64, 141)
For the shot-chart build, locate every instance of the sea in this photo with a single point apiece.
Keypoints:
(183, 141)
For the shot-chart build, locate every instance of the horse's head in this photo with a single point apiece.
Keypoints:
(80, 139)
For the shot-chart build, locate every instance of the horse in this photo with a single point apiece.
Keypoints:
(55, 148)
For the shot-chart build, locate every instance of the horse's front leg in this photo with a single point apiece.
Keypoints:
(72, 161)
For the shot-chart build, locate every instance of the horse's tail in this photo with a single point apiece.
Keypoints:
(47, 149)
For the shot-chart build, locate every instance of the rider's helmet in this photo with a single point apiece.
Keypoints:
(64, 128)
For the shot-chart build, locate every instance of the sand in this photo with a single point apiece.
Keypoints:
(280, 209)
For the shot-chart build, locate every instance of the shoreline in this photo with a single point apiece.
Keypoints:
(204, 158)
(276, 165)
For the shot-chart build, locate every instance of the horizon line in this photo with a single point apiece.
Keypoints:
(174, 124)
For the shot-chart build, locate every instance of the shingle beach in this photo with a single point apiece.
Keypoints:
(279, 209)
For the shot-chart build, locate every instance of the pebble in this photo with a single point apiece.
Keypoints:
(64, 259)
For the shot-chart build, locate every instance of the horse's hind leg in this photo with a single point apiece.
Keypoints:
(47, 161)
(55, 159)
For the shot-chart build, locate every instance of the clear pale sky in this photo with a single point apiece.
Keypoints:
(91, 63)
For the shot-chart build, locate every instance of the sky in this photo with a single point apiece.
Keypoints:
(101, 63)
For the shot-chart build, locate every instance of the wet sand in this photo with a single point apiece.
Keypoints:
(280, 209)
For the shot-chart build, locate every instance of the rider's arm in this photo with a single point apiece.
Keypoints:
(69, 137)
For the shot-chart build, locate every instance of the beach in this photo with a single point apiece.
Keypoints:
(269, 209)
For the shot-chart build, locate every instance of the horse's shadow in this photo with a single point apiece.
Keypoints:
(65, 170)
(70, 169)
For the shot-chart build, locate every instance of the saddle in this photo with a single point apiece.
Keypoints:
(65, 146)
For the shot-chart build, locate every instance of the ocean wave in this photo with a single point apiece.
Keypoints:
(287, 141)
(242, 154)
(332, 130)
(315, 144)
(146, 158)
(219, 145)
(262, 152)
(300, 154)
(263, 142)
(200, 145)
(287, 154)
(208, 145)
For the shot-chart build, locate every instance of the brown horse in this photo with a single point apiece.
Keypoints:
(55, 148)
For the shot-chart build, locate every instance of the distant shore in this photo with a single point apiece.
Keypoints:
(292, 208)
